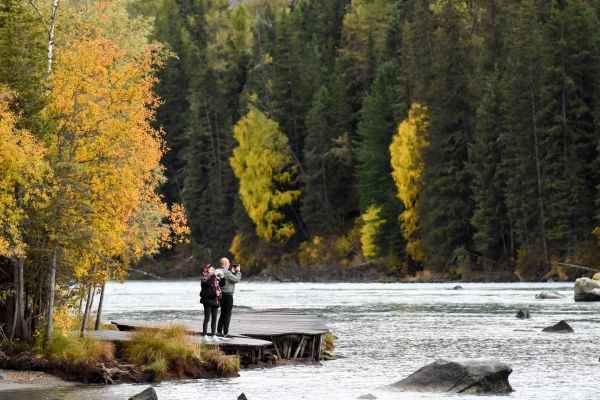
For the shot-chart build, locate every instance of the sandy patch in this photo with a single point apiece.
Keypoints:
(10, 379)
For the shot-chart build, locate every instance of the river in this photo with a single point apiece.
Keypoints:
(384, 333)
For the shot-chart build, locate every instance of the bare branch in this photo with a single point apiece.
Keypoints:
(40, 15)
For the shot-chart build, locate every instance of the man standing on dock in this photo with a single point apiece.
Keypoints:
(232, 276)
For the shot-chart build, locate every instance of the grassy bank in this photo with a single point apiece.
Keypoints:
(150, 356)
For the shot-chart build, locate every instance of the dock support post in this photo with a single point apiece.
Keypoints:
(299, 347)
(302, 349)
(319, 342)
(276, 347)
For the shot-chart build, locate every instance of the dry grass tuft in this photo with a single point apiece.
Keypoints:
(70, 347)
(226, 365)
(328, 342)
(154, 346)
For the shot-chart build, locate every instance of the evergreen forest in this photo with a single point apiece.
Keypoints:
(453, 138)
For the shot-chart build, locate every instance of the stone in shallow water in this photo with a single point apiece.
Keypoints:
(523, 313)
(549, 295)
(587, 290)
(459, 376)
(367, 397)
(148, 394)
(561, 327)
(242, 397)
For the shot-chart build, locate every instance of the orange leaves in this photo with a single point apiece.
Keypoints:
(22, 172)
(107, 154)
(178, 223)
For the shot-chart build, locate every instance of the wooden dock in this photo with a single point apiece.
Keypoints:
(259, 335)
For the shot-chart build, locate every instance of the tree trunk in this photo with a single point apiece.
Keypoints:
(51, 35)
(100, 303)
(19, 329)
(50, 325)
(88, 307)
(538, 167)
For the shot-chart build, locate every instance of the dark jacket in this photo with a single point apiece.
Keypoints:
(208, 294)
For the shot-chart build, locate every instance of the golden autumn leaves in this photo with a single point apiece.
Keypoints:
(263, 164)
(94, 172)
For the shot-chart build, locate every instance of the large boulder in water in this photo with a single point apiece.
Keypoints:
(545, 295)
(459, 376)
(587, 290)
(148, 394)
(561, 327)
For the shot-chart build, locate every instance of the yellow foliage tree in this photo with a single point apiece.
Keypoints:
(406, 153)
(262, 162)
(104, 151)
(371, 223)
(23, 171)
(23, 174)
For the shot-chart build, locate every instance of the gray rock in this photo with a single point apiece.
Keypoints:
(367, 396)
(587, 289)
(242, 397)
(148, 394)
(459, 376)
(561, 327)
(457, 287)
(523, 313)
(548, 295)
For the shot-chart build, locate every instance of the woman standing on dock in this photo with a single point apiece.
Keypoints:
(210, 294)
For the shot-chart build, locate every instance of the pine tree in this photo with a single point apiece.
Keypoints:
(569, 97)
(365, 35)
(374, 181)
(207, 184)
(446, 207)
(295, 78)
(327, 194)
(491, 235)
(172, 85)
(521, 136)
(418, 46)
(490, 222)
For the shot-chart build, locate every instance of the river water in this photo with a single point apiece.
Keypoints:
(384, 333)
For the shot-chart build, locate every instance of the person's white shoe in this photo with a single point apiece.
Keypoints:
(205, 338)
(215, 339)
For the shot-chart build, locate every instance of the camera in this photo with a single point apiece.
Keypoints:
(219, 273)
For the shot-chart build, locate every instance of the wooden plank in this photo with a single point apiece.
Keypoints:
(253, 324)
(229, 344)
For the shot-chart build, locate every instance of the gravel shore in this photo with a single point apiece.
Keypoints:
(11, 380)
